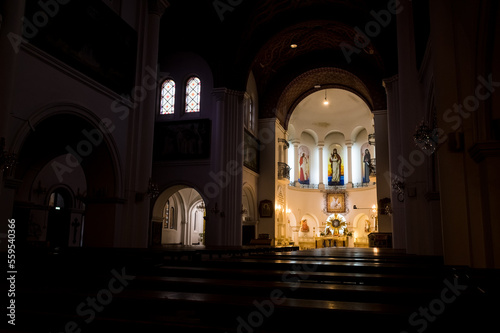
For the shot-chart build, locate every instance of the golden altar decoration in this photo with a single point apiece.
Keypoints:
(335, 233)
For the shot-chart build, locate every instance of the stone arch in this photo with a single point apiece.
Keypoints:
(68, 136)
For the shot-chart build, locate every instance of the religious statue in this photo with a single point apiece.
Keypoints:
(367, 166)
(367, 226)
(304, 168)
(335, 163)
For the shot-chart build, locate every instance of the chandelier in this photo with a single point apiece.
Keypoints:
(398, 185)
(425, 137)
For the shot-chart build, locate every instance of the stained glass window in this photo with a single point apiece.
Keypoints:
(167, 97)
(193, 93)
(250, 115)
(167, 215)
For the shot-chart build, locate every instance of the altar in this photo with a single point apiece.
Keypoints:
(330, 241)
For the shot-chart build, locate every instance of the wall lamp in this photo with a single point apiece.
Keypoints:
(216, 211)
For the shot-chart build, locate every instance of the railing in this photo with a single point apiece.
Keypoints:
(329, 187)
(316, 186)
(283, 171)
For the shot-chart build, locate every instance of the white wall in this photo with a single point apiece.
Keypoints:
(311, 203)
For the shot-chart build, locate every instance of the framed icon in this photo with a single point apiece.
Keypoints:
(335, 203)
(266, 208)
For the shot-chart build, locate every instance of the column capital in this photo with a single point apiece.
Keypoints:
(220, 94)
(320, 144)
(379, 112)
(157, 7)
(295, 142)
(348, 143)
(390, 80)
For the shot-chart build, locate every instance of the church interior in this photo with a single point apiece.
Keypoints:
(250, 165)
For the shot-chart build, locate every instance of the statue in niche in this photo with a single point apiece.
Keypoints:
(335, 165)
(367, 226)
(367, 166)
(304, 168)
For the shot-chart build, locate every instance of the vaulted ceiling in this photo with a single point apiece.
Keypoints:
(256, 35)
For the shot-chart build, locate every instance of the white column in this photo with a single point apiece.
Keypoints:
(320, 145)
(295, 160)
(348, 144)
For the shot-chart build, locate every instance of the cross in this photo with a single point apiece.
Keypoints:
(75, 225)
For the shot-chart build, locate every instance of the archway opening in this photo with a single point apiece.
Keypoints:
(179, 217)
(331, 156)
(70, 178)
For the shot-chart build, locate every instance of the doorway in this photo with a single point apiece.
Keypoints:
(59, 218)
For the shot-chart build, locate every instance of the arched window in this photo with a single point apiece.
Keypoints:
(167, 215)
(193, 95)
(251, 120)
(56, 200)
(167, 97)
(173, 219)
(249, 113)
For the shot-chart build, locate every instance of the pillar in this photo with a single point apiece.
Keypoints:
(348, 144)
(134, 229)
(320, 146)
(383, 185)
(225, 228)
(395, 150)
(296, 170)
(12, 13)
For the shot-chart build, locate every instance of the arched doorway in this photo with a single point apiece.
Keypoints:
(248, 215)
(59, 217)
(68, 166)
(179, 217)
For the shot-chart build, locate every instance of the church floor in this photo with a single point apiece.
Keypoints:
(270, 290)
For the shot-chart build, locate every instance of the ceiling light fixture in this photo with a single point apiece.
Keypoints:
(326, 100)
(293, 46)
